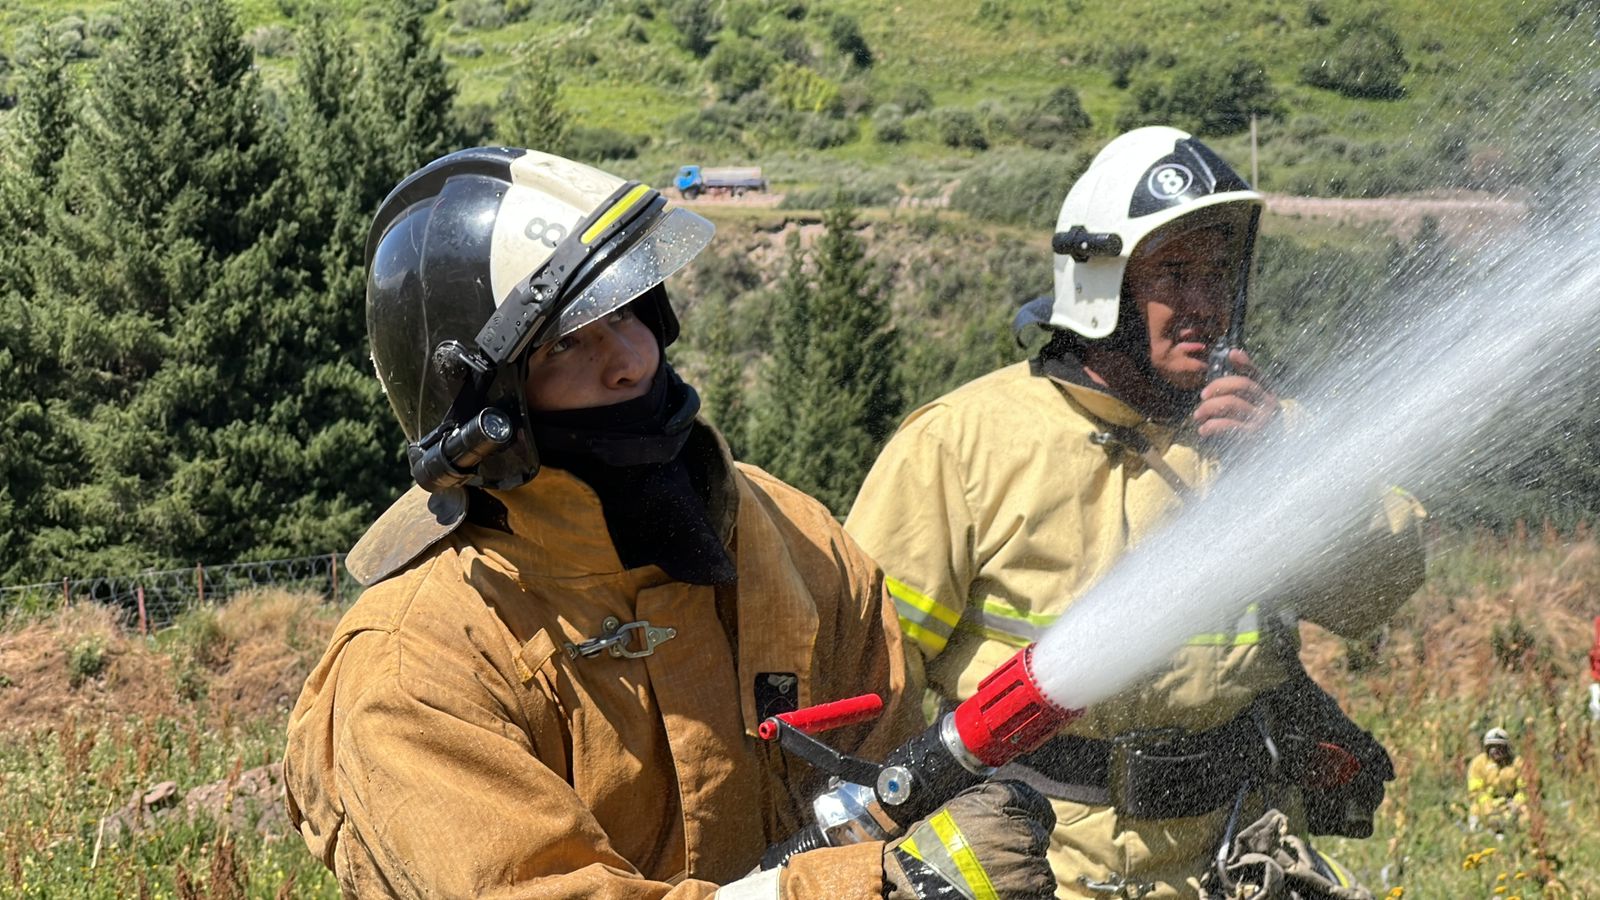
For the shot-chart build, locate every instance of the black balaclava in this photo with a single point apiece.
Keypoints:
(630, 454)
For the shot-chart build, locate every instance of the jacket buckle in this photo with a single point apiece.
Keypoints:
(616, 639)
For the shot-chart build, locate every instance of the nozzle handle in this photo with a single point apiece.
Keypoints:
(825, 716)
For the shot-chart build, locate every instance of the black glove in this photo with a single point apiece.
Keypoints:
(989, 842)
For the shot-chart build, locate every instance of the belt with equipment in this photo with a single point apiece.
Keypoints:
(1171, 773)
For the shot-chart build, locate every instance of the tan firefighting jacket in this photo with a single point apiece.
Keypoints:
(447, 745)
(994, 507)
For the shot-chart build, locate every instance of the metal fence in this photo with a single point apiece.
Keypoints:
(152, 600)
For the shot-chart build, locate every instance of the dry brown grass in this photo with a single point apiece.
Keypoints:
(251, 663)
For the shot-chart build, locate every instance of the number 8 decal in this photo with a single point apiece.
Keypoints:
(1170, 181)
(550, 233)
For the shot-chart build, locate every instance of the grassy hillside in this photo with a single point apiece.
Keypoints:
(894, 97)
(92, 717)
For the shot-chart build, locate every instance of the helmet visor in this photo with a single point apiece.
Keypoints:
(674, 239)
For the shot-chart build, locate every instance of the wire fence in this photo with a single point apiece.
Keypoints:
(152, 600)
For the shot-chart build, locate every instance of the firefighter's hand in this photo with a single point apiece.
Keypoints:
(1236, 405)
(989, 841)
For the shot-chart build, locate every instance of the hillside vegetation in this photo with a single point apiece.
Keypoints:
(91, 717)
(1353, 98)
(185, 187)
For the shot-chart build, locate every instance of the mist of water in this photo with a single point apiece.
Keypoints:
(1467, 370)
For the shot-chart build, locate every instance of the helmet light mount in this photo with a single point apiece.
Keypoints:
(473, 428)
(1081, 244)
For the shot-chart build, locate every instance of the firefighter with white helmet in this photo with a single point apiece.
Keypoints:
(995, 506)
(580, 615)
(1494, 784)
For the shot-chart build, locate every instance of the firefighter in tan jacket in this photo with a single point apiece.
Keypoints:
(580, 615)
(994, 507)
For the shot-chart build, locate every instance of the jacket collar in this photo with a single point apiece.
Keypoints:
(558, 528)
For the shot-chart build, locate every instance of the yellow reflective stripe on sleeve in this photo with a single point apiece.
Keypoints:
(1004, 622)
(615, 212)
(909, 845)
(1224, 639)
(994, 634)
(1339, 873)
(944, 825)
(929, 607)
(1007, 611)
(931, 642)
(922, 618)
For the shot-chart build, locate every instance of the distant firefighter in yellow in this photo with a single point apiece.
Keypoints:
(1494, 783)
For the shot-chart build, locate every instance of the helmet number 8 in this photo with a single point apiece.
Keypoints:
(550, 233)
(1170, 181)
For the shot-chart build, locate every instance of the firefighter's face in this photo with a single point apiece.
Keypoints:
(1183, 288)
(607, 361)
(1500, 753)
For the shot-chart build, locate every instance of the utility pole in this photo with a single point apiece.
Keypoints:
(1255, 174)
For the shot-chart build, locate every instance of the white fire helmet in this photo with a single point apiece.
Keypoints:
(1496, 737)
(1141, 181)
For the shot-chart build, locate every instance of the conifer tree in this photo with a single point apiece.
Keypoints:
(182, 315)
(829, 399)
(722, 390)
(531, 112)
(35, 454)
(408, 100)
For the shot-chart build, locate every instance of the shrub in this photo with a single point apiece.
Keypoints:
(1020, 188)
(1121, 59)
(86, 660)
(844, 33)
(479, 14)
(105, 26)
(803, 90)
(1363, 59)
(889, 124)
(738, 67)
(1212, 96)
(789, 42)
(1058, 121)
(696, 23)
(911, 98)
(959, 128)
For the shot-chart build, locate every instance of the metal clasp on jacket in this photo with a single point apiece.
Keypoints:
(616, 639)
(1117, 886)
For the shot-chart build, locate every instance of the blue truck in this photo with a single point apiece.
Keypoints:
(692, 181)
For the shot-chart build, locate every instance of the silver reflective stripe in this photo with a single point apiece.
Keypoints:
(1014, 627)
(760, 886)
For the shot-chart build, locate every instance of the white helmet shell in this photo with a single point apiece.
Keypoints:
(1141, 181)
(1496, 736)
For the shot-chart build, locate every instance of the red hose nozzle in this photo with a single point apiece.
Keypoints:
(1009, 715)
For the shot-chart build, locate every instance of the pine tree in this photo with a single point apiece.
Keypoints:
(182, 318)
(722, 391)
(408, 101)
(531, 112)
(35, 455)
(781, 397)
(830, 398)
